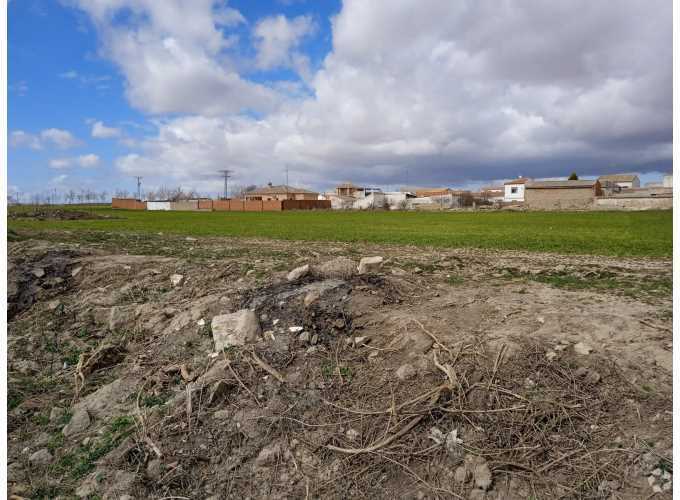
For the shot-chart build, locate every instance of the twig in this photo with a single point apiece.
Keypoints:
(268, 368)
(432, 336)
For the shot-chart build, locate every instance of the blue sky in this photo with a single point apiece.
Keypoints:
(459, 95)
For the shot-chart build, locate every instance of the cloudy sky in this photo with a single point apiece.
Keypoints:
(381, 92)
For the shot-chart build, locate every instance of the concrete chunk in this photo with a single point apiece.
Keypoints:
(370, 264)
(237, 328)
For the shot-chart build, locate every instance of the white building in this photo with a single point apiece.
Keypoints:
(158, 205)
(668, 181)
(620, 181)
(514, 190)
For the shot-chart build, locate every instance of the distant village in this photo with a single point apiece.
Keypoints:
(607, 192)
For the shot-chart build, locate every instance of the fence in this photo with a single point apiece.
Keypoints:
(128, 204)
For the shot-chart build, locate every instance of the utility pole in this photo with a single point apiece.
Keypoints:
(226, 174)
(139, 187)
(286, 181)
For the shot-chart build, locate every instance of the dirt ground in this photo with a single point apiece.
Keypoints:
(438, 374)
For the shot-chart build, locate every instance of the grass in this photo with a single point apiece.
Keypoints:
(639, 234)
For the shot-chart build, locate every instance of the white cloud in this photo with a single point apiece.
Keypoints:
(59, 163)
(19, 138)
(85, 161)
(88, 160)
(69, 75)
(275, 39)
(174, 56)
(63, 139)
(452, 91)
(101, 131)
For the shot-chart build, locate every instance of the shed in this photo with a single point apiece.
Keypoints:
(562, 195)
(514, 189)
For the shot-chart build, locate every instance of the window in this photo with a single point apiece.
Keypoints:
(513, 190)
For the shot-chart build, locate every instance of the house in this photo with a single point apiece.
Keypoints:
(350, 190)
(427, 192)
(283, 192)
(561, 195)
(617, 182)
(514, 190)
(492, 194)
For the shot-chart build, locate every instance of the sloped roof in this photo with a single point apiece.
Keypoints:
(348, 185)
(618, 177)
(586, 183)
(282, 189)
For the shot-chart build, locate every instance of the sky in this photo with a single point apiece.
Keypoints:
(381, 92)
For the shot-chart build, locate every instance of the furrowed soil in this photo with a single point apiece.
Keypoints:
(440, 373)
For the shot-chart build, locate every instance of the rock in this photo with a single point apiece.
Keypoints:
(121, 482)
(405, 372)
(119, 316)
(189, 238)
(352, 434)
(476, 494)
(154, 469)
(582, 348)
(53, 304)
(176, 280)
(38, 272)
(268, 455)
(437, 435)
(89, 486)
(461, 475)
(340, 267)
(56, 413)
(295, 329)
(416, 341)
(315, 339)
(550, 355)
(78, 423)
(113, 398)
(40, 457)
(298, 272)
(237, 328)
(221, 414)
(26, 366)
(370, 264)
(482, 474)
(304, 337)
(76, 271)
(453, 444)
(311, 297)
(397, 271)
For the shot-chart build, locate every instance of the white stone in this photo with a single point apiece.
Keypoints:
(295, 329)
(237, 328)
(370, 264)
(582, 348)
(40, 457)
(298, 273)
(78, 423)
(405, 372)
(177, 280)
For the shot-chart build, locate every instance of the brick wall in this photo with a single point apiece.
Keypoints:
(128, 204)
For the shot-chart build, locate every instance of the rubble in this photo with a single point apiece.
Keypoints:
(298, 272)
(239, 328)
(369, 265)
(78, 423)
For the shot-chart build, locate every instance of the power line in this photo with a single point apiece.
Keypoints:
(226, 173)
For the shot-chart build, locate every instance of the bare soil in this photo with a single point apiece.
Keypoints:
(444, 374)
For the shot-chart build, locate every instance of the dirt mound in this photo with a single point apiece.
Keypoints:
(430, 382)
(55, 214)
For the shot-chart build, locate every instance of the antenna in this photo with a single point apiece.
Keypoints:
(139, 187)
(226, 174)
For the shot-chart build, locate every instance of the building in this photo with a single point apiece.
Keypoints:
(428, 192)
(514, 190)
(158, 205)
(619, 181)
(668, 181)
(492, 194)
(348, 189)
(561, 195)
(282, 192)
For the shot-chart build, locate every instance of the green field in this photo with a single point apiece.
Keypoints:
(646, 234)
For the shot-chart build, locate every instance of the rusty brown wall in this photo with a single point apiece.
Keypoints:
(272, 206)
(205, 204)
(559, 199)
(128, 204)
(306, 204)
